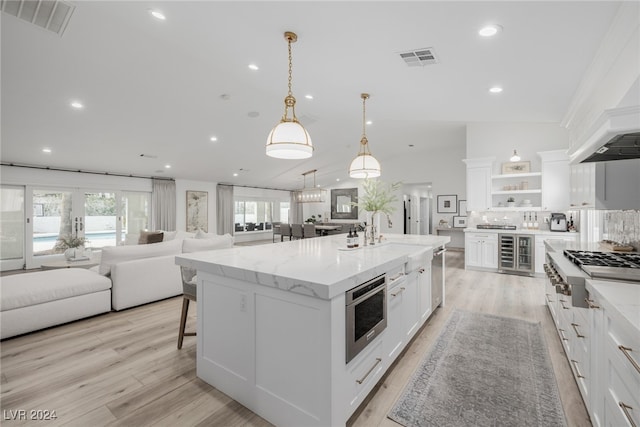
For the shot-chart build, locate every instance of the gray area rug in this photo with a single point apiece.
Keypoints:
(483, 370)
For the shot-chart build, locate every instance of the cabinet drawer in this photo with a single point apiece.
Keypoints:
(365, 372)
(622, 346)
(622, 405)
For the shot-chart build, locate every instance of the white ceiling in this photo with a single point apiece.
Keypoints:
(155, 87)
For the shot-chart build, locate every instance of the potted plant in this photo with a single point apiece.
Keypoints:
(312, 219)
(511, 202)
(378, 198)
(73, 246)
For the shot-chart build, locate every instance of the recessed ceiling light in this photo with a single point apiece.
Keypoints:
(46, 150)
(235, 174)
(213, 138)
(309, 96)
(167, 166)
(77, 105)
(490, 30)
(338, 179)
(495, 89)
(369, 122)
(158, 15)
(253, 67)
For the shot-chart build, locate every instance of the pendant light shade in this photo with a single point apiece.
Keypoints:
(313, 194)
(364, 165)
(289, 139)
(515, 157)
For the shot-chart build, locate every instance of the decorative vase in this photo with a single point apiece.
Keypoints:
(72, 253)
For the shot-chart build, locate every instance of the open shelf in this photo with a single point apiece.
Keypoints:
(516, 175)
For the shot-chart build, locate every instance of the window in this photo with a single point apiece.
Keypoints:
(252, 215)
(284, 212)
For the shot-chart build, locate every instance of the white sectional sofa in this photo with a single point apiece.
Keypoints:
(33, 301)
(126, 277)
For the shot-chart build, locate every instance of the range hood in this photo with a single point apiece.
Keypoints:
(614, 136)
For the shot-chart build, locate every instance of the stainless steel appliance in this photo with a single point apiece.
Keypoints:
(495, 227)
(564, 278)
(607, 265)
(437, 278)
(516, 253)
(558, 222)
(366, 314)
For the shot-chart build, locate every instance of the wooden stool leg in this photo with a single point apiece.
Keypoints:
(183, 321)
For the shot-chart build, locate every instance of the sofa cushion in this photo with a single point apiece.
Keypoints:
(147, 237)
(114, 254)
(201, 234)
(23, 290)
(215, 242)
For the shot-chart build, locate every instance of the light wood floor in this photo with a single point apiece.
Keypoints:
(124, 369)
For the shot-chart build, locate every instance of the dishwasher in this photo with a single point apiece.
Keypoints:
(437, 278)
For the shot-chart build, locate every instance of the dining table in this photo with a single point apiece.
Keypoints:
(324, 229)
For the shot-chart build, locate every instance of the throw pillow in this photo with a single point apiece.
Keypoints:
(200, 234)
(150, 237)
(169, 235)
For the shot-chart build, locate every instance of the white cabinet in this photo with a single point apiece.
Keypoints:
(606, 185)
(395, 340)
(481, 250)
(540, 249)
(479, 183)
(424, 291)
(555, 180)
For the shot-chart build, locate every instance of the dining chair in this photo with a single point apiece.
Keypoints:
(285, 231)
(275, 229)
(189, 281)
(309, 231)
(296, 231)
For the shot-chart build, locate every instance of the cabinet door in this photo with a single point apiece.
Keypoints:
(424, 292)
(555, 185)
(394, 335)
(490, 253)
(472, 252)
(478, 189)
(540, 254)
(410, 306)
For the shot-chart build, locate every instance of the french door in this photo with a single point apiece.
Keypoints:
(12, 227)
(102, 218)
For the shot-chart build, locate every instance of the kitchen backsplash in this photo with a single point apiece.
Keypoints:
(519, 219)
(622, 227)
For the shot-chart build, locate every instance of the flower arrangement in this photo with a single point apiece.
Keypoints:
(378, 196)
(68, 241)
(511, 200)
(312, 219)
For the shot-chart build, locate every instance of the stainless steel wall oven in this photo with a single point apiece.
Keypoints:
(366, 314)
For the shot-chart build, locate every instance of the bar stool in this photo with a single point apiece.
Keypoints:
(189, 288)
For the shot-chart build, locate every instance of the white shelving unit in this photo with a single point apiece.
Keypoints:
(520, 186)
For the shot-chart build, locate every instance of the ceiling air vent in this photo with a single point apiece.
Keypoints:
(52, 15)
(419, 57)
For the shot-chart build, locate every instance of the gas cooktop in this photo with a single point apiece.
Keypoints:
(607, 265)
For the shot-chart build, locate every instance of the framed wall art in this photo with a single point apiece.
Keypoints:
(516, 167)
(447, 203)
(342, 200)
(459, 221)
(197, 211)
(462, 207)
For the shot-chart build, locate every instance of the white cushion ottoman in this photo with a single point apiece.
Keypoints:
(33, 301)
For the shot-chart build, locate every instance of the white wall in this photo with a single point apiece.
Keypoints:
(500, 139)
(184, 185)
(51, 178)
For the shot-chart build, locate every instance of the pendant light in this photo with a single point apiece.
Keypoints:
(289, 139)
(515, 157)
(364, 165)
(312, 194)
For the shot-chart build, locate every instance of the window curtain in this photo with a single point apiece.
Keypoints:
(163, 204)
(295, 210)
(224, 209)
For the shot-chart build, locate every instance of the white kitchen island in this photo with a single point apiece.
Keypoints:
(271, 322)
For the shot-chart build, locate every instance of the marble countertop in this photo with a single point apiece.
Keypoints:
(521, 231)
(623, 298)
(318, 267)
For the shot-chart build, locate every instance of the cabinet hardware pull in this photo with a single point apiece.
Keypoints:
(378, 360)
(548, 298)
(561, 332)
(421, 270)
(575, 328)
(396, 277)
(591, 303)
(625, 409)
(626, 351)
(563, 306)
(399, 292)
(575, 363)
